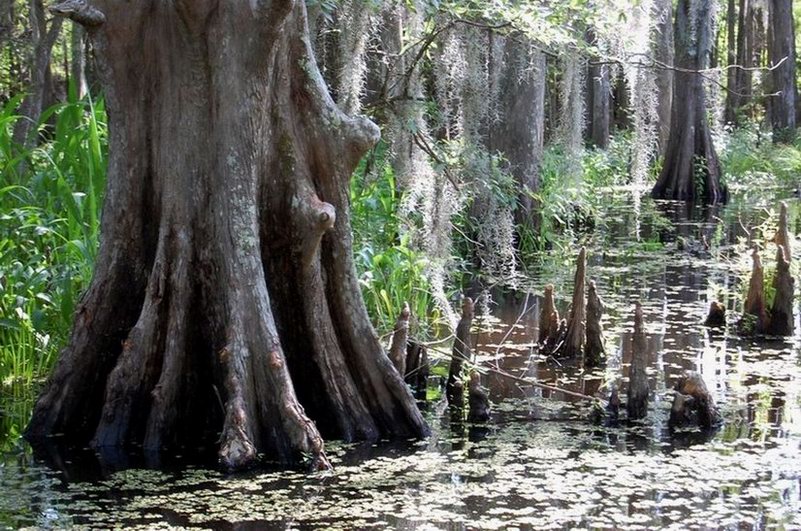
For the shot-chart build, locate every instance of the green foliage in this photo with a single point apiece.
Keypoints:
(390, 271)
(750, 159)
(50, 199)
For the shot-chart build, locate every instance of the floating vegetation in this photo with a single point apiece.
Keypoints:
(539, 462)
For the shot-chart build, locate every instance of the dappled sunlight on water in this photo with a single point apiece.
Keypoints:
(539, 462)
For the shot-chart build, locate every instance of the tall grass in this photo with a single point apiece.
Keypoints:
(50, 199)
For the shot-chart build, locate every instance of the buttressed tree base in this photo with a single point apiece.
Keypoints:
(225, 267)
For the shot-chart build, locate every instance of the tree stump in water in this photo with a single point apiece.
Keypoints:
(397, 350)
(478, 400)
(755, 314)
(575, 335)
(549, 318)
(693, 405)
(637, 405)
(781, 313)
(461, 353)
(716, 316)
(782, 236)
(594, 352)
(417, 369)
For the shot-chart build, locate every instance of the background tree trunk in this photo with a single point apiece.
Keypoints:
(226, 258)
(520, 131)
(745, 58)
(664, 52)
(598, 96)
(691, 170)
(78, 60)
(781, 47)
(731, 59)
(43, 39)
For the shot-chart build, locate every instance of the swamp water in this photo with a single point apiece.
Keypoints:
(538, 463)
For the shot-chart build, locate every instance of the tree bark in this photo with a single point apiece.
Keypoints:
(781, 312)
(519, 136)
(693, 404)
(594, 351)
(226, 259)
(782, 236)
(575, 336)
(781, 49)
(755, 318)
(598, 97)
(691, 170)
(664, 77)
(400, 337)
(462, 348)
(43, 39)
(549, 318)
(78, 61)
(637, 404)
(731, 60)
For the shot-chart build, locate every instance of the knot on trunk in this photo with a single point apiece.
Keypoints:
(79, 11)
(362, 134)
(317, 218)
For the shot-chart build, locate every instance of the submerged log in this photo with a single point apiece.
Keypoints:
(594, 351)
(397, 350)
(781, 313)
(782, 237)
(637, 405)
(693, 405)
(575, 335)
(478, 400)
(461, 353)
(417, 368)
(549, 317)
(716, 316)
(755, 314)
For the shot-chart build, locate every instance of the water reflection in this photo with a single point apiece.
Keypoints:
(539, 462)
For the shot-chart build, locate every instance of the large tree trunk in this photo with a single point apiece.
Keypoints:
(691, 170)
(519, 135)
(226, 260)
(781, 49)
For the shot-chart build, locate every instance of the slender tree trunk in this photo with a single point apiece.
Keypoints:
(43, 38)
(225, 267)
(78, 63)
(731, 59)
(598, 96)
(781, 56)
(6, 21)
(691, 170)
(742, 77)
(520, 131)
(664, 78)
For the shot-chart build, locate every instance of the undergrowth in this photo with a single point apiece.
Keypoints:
(50, 198)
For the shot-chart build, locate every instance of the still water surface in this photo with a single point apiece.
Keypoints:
(539, 463)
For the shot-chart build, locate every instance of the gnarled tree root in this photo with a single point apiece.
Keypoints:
(693, 405)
